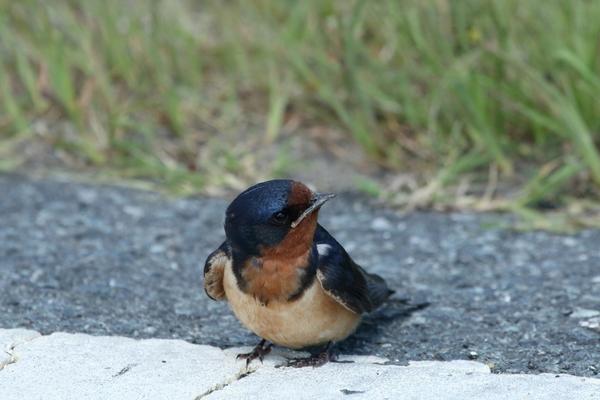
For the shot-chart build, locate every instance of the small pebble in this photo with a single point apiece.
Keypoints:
(150, 330)
(380, 224)
(133, 211)
(592, 323)
(581, 313)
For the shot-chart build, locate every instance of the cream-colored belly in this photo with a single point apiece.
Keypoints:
(315, 318)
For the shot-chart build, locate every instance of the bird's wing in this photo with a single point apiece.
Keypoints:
(344, 280)
(213, 271)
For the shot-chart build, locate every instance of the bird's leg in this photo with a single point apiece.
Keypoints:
(314, 360)
(260, 351)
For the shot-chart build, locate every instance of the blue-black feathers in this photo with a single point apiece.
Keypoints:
(345, 280)
(246, 230)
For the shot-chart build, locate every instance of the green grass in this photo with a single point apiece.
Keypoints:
(449, 90)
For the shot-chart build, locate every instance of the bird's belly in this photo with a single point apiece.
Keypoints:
(313, 319)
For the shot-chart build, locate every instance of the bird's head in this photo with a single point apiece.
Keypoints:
(265, 215)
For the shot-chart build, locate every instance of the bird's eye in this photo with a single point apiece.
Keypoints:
(279, 218)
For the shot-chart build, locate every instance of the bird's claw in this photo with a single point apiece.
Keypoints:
(260, 351)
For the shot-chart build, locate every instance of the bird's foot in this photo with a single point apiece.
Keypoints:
(259, 351)
(315, 360)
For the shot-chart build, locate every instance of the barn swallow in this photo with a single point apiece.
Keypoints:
(285, 277)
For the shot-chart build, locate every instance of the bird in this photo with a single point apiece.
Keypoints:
(285, 276)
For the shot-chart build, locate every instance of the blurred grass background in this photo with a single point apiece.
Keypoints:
(504, 91)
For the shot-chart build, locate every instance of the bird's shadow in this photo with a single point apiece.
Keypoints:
(368, 335)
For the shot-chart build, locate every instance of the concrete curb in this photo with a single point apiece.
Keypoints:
(78, 366)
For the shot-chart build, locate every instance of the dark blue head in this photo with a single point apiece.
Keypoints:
(262, 215)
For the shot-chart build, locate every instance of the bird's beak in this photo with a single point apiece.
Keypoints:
(316, 202)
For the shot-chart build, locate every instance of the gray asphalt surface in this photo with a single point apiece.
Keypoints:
(116, 261)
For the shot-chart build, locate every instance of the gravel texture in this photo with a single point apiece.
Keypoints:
(110, 260)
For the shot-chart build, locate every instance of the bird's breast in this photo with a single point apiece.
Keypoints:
(273, 279)
(312, 319)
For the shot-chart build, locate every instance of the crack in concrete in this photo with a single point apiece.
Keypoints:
(12, 356)
(244, 372)
(125, 369)
(11, 360)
